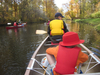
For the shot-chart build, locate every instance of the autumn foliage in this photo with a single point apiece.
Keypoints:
(27, 10)
(83, 8)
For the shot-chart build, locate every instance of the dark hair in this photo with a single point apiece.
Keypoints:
(56, 17)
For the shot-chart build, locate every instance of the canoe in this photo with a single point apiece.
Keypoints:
(18, 23)
(35, 67)
(13, 27)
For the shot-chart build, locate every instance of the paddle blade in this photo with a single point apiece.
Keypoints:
(40, 32)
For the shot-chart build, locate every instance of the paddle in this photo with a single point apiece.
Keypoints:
(40, 32)
(90, 52)
(84, 47)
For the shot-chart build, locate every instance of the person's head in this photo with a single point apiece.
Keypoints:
(59, 16)
(71, 39)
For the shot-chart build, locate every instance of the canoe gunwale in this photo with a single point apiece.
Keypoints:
(30, 68)
(35, 53)
(30, 65)
(88, 68)
(90, 53)
(93, 56)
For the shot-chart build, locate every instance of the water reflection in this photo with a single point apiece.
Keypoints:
(88, 33)
(10, 31)
(17, 47)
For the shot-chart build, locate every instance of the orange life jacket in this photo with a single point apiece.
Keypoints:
(66, 60)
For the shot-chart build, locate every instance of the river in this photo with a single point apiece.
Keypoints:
(18, 45)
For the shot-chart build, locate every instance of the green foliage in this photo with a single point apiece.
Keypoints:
(95, 21)
(84, 8)
(95, 15)
(97, 27)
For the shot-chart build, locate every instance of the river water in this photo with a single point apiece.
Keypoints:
(18, 45)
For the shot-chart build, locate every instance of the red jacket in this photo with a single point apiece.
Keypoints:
(82, 57)
(66, 59)
(15, 24)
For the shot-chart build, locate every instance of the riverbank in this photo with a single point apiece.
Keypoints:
(94, 22)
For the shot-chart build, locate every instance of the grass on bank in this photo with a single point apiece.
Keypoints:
(95, 22)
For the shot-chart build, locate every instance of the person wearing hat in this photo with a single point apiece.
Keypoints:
(67, 54)
(57, 27)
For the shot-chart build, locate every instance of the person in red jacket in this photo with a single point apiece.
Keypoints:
(48, 22)
(67, 54)
(15, 24)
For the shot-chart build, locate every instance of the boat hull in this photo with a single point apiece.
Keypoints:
(12, 27)
(15, 27)
(35, 68)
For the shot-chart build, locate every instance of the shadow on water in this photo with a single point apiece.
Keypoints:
(18, 45)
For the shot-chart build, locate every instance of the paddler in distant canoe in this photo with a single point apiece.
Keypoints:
(48, 22)
(15, 24)
(67, 54)
(57, 27)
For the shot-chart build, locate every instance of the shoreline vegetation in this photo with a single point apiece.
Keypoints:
(26, 11)
(35, 11)
(94, 22)
(85, 11)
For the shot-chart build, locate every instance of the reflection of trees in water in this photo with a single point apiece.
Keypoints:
(74, 27)
(17, 47)
(86, 32)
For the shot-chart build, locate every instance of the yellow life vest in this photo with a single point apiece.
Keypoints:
(56, 27)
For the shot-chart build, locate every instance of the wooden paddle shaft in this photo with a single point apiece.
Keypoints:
(91, 53)
(85, 48)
